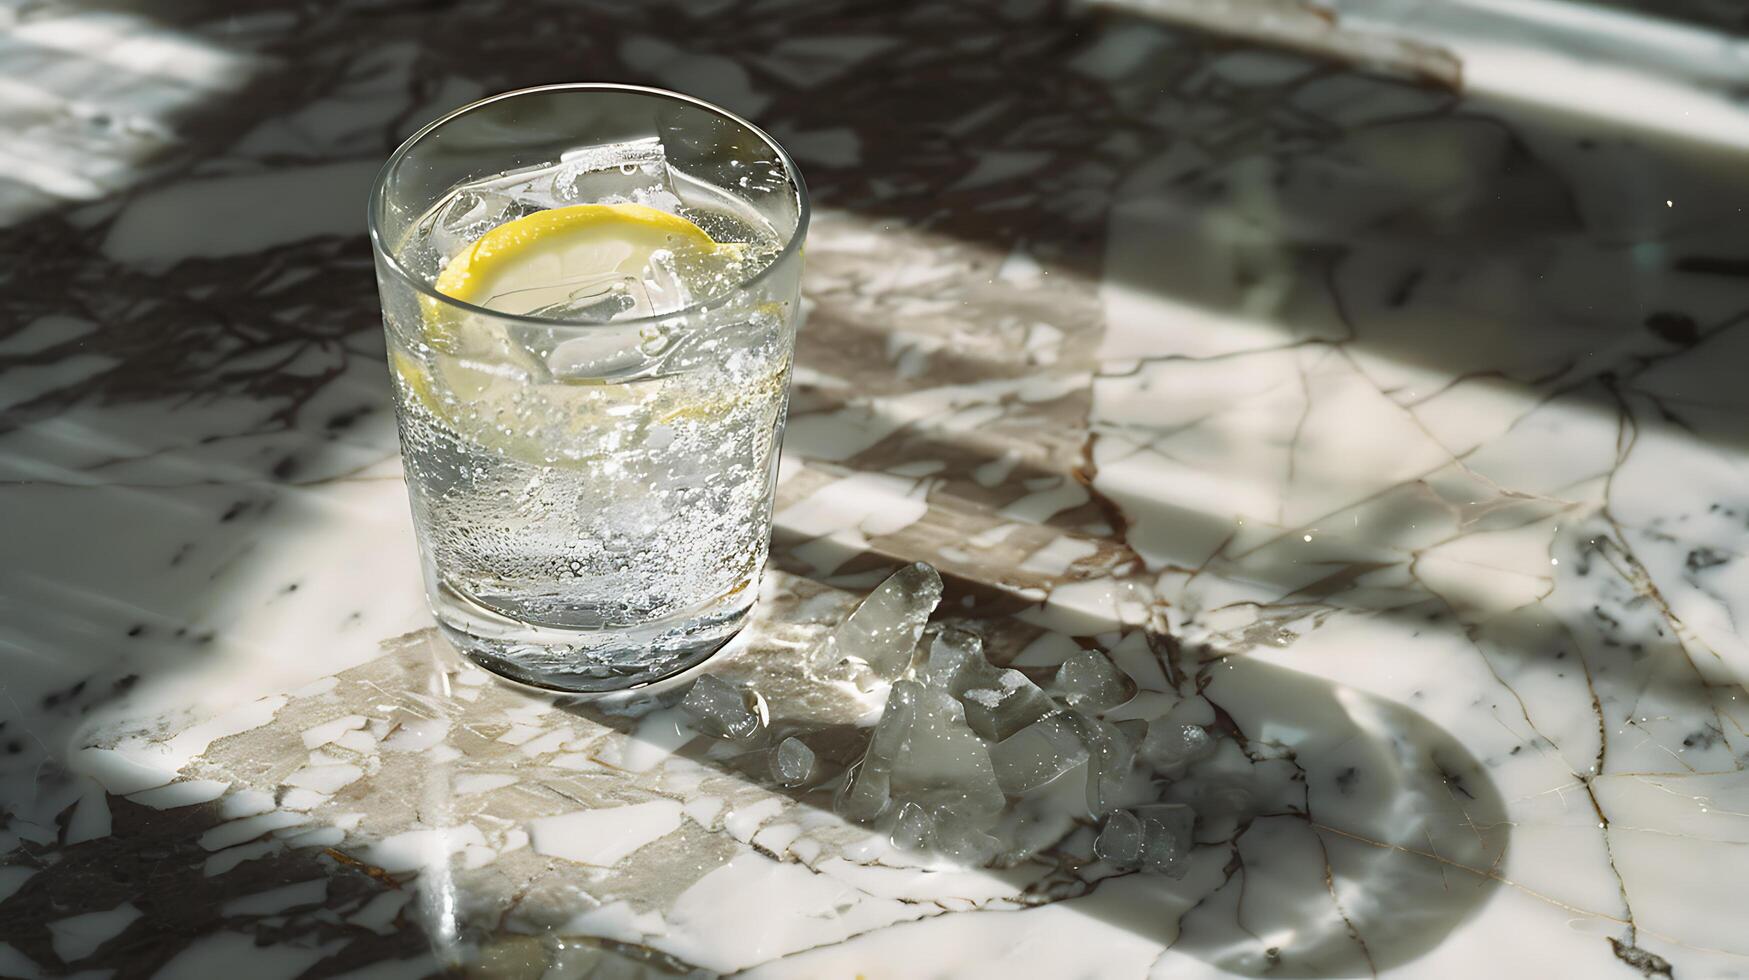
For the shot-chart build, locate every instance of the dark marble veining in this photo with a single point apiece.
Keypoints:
(1388, 423)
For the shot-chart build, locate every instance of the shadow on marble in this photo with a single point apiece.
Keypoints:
(181, 386)
(156, 897)
(151, 895)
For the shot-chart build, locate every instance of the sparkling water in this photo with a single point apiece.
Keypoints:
(593, 500)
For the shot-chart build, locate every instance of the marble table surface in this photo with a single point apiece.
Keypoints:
(1391, 419)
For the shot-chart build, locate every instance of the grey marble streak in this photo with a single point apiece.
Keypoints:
(1392, 431)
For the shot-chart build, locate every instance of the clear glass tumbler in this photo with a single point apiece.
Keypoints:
(590, 294)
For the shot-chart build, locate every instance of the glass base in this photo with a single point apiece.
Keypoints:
(584, 661)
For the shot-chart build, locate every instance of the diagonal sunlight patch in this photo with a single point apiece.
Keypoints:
(89, 101)
(1571, 57)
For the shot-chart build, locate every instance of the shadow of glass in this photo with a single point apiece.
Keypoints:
(1405, 824)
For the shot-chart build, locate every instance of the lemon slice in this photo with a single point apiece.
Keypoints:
(481, 383)
(535, 261)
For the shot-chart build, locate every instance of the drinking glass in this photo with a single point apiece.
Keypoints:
(590, 455)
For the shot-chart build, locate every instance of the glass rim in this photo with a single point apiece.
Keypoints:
(379, 186)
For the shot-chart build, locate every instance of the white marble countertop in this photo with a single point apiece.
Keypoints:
(1391, 423)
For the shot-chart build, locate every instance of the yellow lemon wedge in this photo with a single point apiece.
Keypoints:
(482, 384)
(534, 261)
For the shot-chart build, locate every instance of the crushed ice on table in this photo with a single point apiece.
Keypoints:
(997, 702)
(720, 708)
(975, 763)
(1089, 681)
(912, 829)
(943, 763)
(1171, 747)
(1120, 840)
(1109, 758)
(1166, 836)
(961, 836)
(1133, 730)
(793, 762)
(881, 634)
(956, 660)
(1037, 754)
(865, 793)
(1155, 837)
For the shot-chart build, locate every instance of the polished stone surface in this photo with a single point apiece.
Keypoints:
(1387, 422)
